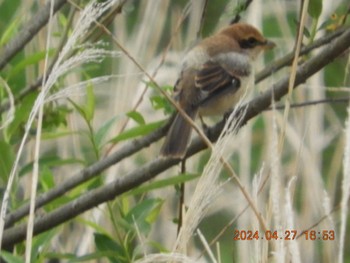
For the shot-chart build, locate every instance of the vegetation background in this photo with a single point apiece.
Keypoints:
(82, 107)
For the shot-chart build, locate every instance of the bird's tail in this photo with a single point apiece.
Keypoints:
(178, 136)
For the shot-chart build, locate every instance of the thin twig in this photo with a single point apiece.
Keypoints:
(242, 8)
(335, 208)
(312, 103)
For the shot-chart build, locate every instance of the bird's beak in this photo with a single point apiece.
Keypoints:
(269, 45)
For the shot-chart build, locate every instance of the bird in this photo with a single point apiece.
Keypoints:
(214, 75)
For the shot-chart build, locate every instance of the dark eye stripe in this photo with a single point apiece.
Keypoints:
(250, 42)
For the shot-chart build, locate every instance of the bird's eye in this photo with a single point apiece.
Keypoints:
(252, 41)
(249, 42)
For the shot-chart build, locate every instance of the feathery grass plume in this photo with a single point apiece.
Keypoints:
(256, 246)
(35, 175)
(275, 188)
(162, 257)
(289, 219)
(330, 251)
(207, 187)
(345, 190)
(78, 89)
(63, 65)
(327, 206)
(206, 246)
(11, 112)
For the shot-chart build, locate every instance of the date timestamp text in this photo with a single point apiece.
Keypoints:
(284, 235)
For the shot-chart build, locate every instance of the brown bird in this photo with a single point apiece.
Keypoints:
(214, 76)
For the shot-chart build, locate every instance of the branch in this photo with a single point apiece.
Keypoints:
(150, 170)
(241, 8)
(287, 59)
(32, 27)
(314, 102)
(37, 83)
(88, 173)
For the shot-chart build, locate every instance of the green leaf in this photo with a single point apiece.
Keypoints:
(9, 32)
(46, 179)
(162, 183)
(103, 130)
(154, 213)
(160, 102)
(21, 115)
(87, 111)
(62, 19)
(307, 32)
(10, 258)
(137, 131)
(95, 257)
(315, 8)
(137, 117)
(90, 103)
(144, 213)
(325, 24)
(56, 134)
(41, 242)
(106, 244)
(27, 61)
(97, 227)
(79, 109)
(54, 255)
(152, 85)
(6, 160)
(49, 161)
(158, 246)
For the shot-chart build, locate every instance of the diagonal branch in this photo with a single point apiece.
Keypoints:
(152, 169)
(32, 27)
(37, 83)
(88, 173)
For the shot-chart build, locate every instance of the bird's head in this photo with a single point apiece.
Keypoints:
(249, 39)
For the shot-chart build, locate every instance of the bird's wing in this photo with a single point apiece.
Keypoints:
(212, 76)
(222, 75)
